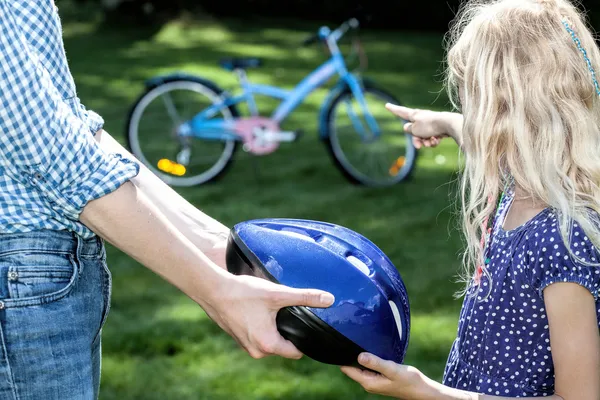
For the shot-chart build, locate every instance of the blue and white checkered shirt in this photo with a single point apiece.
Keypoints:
(50, 164)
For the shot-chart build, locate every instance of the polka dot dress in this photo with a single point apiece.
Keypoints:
(503, 344)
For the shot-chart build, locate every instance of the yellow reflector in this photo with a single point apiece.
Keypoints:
(397, 165)
(178, 170)
(171, 167)
(164, 165)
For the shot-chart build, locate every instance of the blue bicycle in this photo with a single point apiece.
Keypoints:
(204, 128)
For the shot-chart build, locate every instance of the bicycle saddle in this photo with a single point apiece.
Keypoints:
(231, 64)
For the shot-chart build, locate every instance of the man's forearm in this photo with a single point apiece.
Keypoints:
(128, 220)
(206, 233)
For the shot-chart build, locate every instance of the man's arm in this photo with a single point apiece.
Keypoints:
(245, 307)
(46, 148)
(127, 219)
(206, 233)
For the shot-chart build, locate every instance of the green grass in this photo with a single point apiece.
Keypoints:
(157, 343)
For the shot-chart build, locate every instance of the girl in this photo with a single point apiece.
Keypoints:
(523, 71)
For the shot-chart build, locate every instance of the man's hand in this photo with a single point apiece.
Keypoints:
(247, 306)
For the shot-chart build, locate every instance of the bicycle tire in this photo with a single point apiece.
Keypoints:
(342, 162)
(132, 134)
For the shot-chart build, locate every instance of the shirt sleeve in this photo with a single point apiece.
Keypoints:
(43, 144)
(553, 262)
(92, 119)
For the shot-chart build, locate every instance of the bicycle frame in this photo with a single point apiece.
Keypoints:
(202, 126)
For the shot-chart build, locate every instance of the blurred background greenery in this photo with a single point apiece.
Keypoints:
(428, 15)
(158, 344)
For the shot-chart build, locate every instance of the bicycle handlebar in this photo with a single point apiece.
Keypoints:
(311, 39)
(350, 24)
(324, 32)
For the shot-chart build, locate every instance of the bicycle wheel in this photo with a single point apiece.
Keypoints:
(152, 126)
(382, 160)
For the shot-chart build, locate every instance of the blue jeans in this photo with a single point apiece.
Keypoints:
(54, 298)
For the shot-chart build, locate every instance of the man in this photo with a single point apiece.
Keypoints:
(64, 184)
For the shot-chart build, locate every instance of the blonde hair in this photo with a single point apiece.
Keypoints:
(531, 112)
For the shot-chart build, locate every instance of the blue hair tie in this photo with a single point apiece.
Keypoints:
(585, 56)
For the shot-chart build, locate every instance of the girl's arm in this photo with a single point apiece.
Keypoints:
(428, 127)
(574, 339)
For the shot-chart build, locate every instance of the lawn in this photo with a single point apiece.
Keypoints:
(158, 344)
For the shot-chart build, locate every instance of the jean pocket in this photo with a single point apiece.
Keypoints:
(50, 278)
(106, 296)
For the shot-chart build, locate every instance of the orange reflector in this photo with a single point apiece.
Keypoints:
(171, 167)
(397, 165)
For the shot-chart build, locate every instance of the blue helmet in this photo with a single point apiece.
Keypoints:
(371, 312)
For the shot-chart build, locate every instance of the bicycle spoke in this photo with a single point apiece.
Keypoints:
(370, 161)
(171, 110)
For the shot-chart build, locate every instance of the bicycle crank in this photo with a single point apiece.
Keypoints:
(265, 136)
(261, 135)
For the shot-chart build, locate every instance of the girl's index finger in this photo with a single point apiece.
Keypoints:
(401, 111)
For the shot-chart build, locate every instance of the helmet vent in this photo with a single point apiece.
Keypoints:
(298, 233)
(397, 318)
(360, 265)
